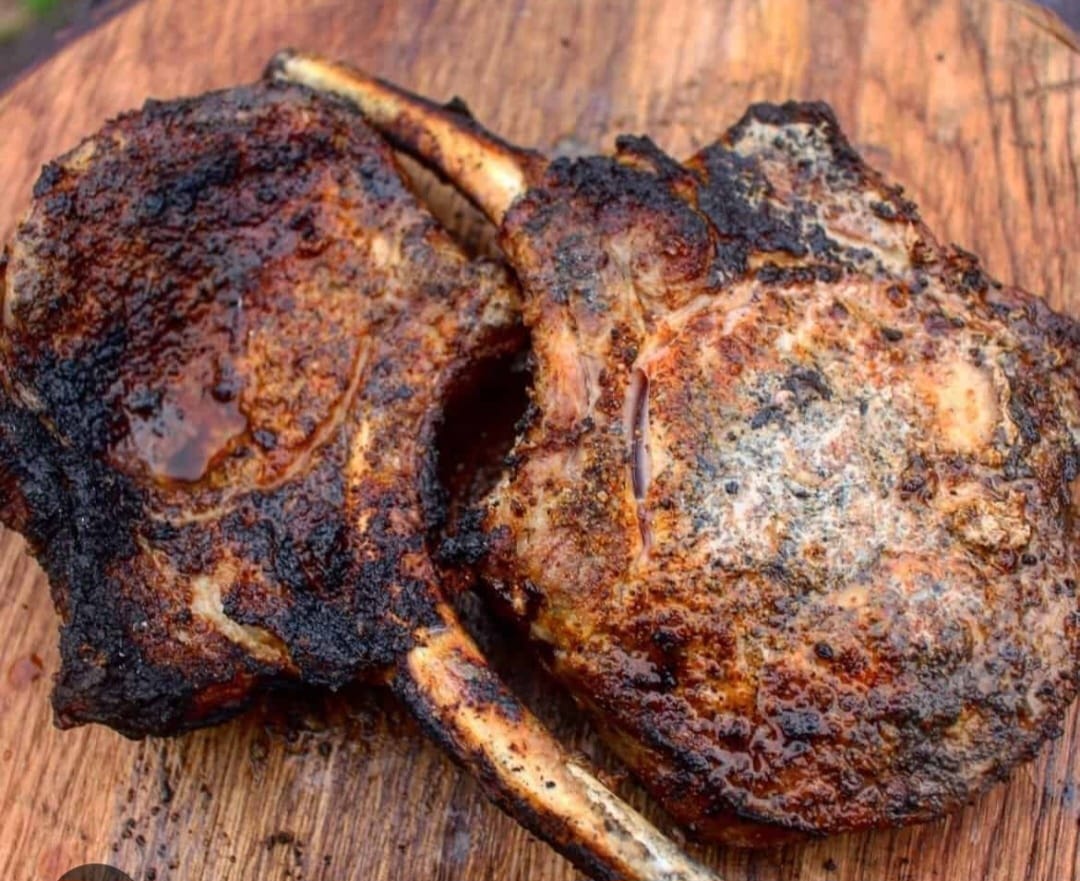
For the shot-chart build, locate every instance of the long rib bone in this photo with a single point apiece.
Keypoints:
(459, 700)
(485, 168)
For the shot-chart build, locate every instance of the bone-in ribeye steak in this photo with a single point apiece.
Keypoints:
(229, 330)
(795, 510)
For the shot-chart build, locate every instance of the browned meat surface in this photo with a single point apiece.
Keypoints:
(795, 511)
(210, 372)
(229, 331)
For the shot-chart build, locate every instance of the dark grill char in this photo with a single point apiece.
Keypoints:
(215, 253)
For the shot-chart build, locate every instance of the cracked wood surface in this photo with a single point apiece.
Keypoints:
(974, 105)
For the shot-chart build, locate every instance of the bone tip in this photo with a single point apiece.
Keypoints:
(276, 68)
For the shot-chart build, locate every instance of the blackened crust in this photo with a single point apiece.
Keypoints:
(229, 328)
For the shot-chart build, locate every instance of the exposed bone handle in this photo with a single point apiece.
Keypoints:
(488, 170)
(450, 688)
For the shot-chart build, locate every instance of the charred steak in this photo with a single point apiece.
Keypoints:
(228, 332)
(795, 511)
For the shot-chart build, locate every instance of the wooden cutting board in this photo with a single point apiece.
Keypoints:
(973, 105)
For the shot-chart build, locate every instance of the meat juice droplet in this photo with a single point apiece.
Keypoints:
(188, 430)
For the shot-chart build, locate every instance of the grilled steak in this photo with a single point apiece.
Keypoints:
(795, 511)
(228, 333)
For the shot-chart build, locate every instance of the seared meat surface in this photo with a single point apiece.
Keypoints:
(795, 510)
(229, 331)
(210, 375)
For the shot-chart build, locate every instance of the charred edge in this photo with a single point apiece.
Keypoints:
(1037, 321)
(458, 106)
(14, 511)
(678, 769)
(730, 186)
(609, 184)
(893, 206)
(813, 113)
(80, 519)
(644, 150)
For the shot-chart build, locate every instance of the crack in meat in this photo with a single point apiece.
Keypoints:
(640, 462)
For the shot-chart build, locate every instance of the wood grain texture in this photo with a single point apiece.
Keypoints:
(974, 105)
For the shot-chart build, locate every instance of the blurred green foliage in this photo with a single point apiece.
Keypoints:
(41, 7)
(20, 16)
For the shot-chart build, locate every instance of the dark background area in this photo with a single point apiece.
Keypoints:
(1067, 9)
(31, 30)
